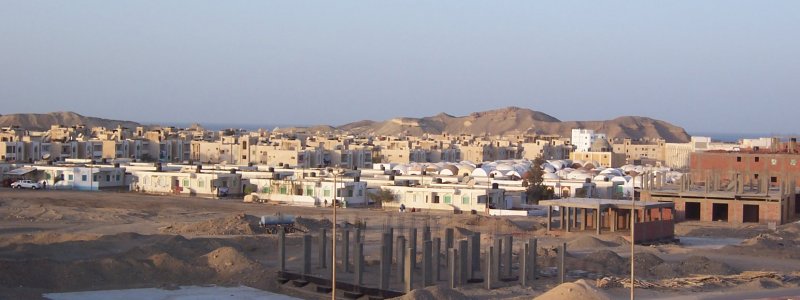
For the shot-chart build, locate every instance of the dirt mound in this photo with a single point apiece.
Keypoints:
(651, 266)
(781, 244)
(44, 238)
(704, 265)
(643, 262)
(487, 224)
(432, 293)
(603, 261)
(239, 224)
(133, 260)
(760, 284)
(790, 228)
(311, 225)
(589, 242)
(228, 261)
(580, 289)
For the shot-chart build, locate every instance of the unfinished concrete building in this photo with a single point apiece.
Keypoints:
(731, 196)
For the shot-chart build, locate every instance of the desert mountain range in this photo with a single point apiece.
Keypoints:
(510, 120)
(41, 122)
(513, 120)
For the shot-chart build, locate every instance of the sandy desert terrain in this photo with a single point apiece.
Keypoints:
(63, 241)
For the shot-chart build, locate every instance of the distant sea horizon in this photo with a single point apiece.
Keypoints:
(735, 137)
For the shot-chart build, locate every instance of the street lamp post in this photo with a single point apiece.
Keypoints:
(333, 234)
(633, 225)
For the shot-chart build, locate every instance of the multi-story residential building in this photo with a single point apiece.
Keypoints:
(547, 149)
(639, 150)
(12, 152)
(583, 139)
(754, 164)
(600, 152)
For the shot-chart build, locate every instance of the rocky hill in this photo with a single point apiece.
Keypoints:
(510, 120)
(514, 120)
(44, 121)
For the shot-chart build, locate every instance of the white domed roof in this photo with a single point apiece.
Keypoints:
(549, 176)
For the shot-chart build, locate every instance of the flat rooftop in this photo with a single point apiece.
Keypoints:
(604, 203)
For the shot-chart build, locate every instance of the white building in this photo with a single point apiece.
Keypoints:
(584, 138)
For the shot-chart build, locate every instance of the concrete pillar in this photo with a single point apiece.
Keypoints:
(583, 219)
(451, 268)
(437, 254)
(386, 239)
(628, 220)
(612, 219)
(462, 264)
(390, 246)
(598, 224)
(534, 258)
(306, 254)
(401, 255)
(282, 251)
(427, 263)
(574, 218)
(561, 217)
(359, 264)
(566, 222)
(323, 248)
(346, 250)
(409, 273)
(524, 269)
(448, 238)
(385, 269)
(475, 253)
(496, 256)
(490, 268)
(549, 217)
(358, 235)
(426, 233)
(412, 243)
(509, 242)
(562, 272)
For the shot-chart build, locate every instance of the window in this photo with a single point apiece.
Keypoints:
(793, 162)
(185, 182)
(773, 179)
(327, 193)
(118, 177)
(283, 190)
(738, 159)
(309, 191)
(70, 177)
(201, 183)
(447, 199)
(465, 199)
(756, 158)
(83, 177)
(108, 177)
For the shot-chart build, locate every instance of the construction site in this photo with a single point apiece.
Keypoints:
(62, 241)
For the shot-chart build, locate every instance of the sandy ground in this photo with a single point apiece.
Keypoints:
(65, 241)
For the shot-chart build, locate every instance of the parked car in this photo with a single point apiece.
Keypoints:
(26, 184)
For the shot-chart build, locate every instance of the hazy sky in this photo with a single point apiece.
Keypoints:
(710, 66)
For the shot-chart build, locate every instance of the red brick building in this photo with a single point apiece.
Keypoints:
(774, 165)
(746, 186)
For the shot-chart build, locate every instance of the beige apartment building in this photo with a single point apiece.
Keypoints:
(547, 149)
(635, 150)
